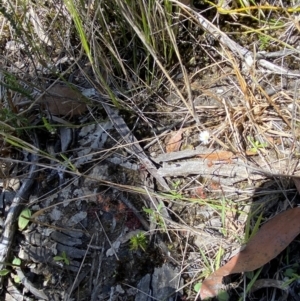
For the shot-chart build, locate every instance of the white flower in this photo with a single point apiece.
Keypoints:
(204, 137)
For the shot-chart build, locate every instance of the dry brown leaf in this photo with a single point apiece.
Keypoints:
(218, 156)
(174, 142)
(272, 238)
(199, 192)
(64, 101)
(224, 155)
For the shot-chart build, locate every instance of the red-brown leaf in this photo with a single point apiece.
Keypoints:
(272, 238)
(174, 142)
(64, 101)
(199, 192)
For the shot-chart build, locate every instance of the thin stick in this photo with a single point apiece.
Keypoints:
(112, 247)
(82, 262)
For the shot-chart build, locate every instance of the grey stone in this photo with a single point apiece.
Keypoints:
(161, 285)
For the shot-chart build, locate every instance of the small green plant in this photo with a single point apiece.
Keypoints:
(4, 272)
(15, 263)
(52, 130)
(264, 42)
(155, 215)
(291, 275)
(63, 257)
(138, 241)
(24, 219)
(176, 184)
(256, 145)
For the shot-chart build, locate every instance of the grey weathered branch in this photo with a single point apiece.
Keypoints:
(30, 286)
(133, 144)
(246, 55)
(224, 173)
(14, 211)
(227, 172)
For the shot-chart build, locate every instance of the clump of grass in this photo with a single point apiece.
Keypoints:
(138, 241)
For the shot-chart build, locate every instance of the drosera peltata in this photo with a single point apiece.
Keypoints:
(63, 258)
(24, 219)
(15, 264)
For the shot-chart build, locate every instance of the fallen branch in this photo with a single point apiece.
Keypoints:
(246, 55)
(30, 286)
(14, 211)
(133, 144)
